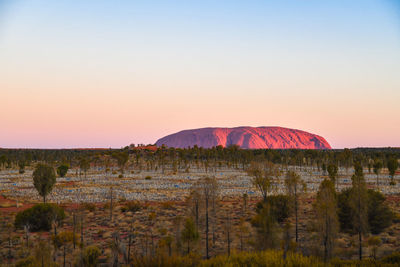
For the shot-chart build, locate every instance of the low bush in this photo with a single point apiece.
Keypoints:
(132, 206)
(89, 206)
(91, 255)
(39, 217)
(148, 177)
(279, 205)
(392, 259)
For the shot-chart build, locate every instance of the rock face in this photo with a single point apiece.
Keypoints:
(245, 137)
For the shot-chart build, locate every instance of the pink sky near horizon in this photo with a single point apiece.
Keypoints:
(132, 79)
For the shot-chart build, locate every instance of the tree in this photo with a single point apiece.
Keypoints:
(193, 202)
(380, 216)
(208, 189)
(39, 217)
(377, 169)
(392, 166)
(91, 256)
(84, 165)
(62, 240)
(262, 177)
(189, 233)
(44, 179)
(333, 172)
(266, 227)
(374, 242)
(327, 218)
(122, 158)
(3, 160)
(21, 165)
(359, 204)
(62, 169)
(294, 185)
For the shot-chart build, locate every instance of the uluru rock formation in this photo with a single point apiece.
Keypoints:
(245, 137)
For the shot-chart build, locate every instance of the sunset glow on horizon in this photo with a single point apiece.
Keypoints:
(111, 73)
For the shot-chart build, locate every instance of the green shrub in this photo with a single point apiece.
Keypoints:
(148, 177)
(91, 256)
(263, 258)
(380, 215)
(279, 205)
(345, 212)
(120, 176)
(27, 262)
(392, 259)
(62, 169)
(39, 217)
(132, 206)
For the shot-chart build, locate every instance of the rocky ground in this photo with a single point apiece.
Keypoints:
(156, 186)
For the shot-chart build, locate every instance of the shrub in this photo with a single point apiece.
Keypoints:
(279, 205)
(263, 258)
(167, 205)
(345, 212)
(148, 177)
(27, 262)
(379, 214)
(89, 206)
(132, 206)
(392, 259)
(39, 217)
(91, 256)
(120, 176)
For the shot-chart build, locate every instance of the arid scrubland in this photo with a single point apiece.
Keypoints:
(199, 207)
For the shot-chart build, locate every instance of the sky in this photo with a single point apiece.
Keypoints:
(111, 73)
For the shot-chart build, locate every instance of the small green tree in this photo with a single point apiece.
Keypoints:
(263, 176)
(91, 256)
(377, 169)
(374, 242)
(39, 217)
(266, 226)
(122, 158)
(62, 240)
(21, 165)
(359, 204)
(84, 165)
(62, 169)
(380, 216)
(44, 179)
(392, 166)
(189, 233)
(333, 174)
(327, 218)
(294, 186)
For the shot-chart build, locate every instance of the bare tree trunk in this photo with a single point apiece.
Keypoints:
(296, 215)
(64, 256)
(74, 229)
(111, 204)
(81, 239)
(207, 256)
